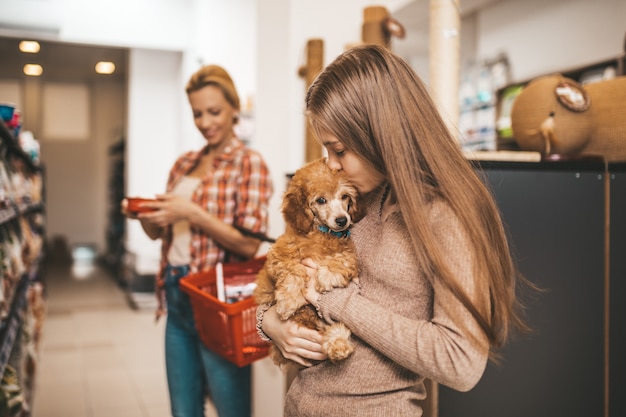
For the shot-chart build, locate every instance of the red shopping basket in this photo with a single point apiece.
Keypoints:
(228, 329)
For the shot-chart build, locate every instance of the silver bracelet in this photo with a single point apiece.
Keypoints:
(260, 312)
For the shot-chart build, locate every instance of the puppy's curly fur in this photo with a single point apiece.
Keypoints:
(319, 207)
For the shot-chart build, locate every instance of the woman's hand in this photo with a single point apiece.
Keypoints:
(124, 210)
(299, 344)
(148, 221)
(170, 208)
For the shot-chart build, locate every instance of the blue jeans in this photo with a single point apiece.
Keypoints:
(193, 370)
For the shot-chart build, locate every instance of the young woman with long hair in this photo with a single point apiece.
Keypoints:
(436, 294)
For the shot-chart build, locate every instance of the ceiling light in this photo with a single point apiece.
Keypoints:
(29, 47)
(34, 70)
(105, 67)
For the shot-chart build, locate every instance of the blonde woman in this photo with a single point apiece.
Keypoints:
(212, 195)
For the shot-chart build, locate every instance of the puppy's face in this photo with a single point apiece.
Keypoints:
(319, 196)
(333, 208)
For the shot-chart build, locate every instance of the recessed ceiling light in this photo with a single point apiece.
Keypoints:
(34, 70)
(29, 47)
(105, 67)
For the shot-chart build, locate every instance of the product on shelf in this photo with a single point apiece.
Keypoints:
(21, 288)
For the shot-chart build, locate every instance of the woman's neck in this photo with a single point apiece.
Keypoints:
(214, 150)
(205, 163)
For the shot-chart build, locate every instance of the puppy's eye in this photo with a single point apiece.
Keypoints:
(345, 197)
(321, 200)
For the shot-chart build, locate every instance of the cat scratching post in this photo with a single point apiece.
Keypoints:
(314, 64)
(378, 26)
(445, 24)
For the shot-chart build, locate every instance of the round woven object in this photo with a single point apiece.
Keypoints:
(572, 124)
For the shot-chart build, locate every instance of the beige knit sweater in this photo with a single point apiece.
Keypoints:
(403, 329)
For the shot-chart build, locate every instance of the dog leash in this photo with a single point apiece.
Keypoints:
(261, 236)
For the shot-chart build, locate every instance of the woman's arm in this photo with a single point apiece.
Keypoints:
(449, 347)
(446, 349)
(171, 208)
(153, 231)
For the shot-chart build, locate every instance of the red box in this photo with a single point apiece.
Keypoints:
(134, 205)
(226, 329)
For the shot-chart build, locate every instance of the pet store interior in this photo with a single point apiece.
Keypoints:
(535, 88)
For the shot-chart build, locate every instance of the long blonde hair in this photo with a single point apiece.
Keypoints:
(377, 106)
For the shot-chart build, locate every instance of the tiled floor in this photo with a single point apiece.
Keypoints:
(99, 357)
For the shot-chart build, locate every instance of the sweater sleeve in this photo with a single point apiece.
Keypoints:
(449, 347)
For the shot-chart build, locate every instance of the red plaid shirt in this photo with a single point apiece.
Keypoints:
(237, 191)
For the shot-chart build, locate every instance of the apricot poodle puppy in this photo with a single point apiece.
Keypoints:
(319, 207)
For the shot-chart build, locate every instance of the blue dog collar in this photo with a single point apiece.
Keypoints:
(326, 229)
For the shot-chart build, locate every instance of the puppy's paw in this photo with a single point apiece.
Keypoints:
(286, 307)
(327, 279)
(337, 343)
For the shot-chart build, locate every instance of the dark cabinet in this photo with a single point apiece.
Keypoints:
(567, 225)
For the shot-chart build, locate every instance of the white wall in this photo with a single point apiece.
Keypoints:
(152, 145)
(162, 24)
(542, 36)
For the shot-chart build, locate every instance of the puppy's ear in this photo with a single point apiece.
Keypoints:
(354, 208)
(356, 212)
(295, 210)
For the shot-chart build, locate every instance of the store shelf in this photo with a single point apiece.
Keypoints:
(10, 326)
(12, 147)
(21, 243)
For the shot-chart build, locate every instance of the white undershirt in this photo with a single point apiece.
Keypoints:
(179, 253)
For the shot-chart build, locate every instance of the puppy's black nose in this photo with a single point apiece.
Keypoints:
(341, 221)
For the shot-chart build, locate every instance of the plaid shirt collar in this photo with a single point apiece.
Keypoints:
(227, 154)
